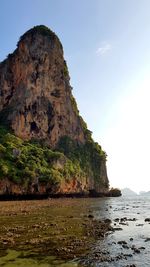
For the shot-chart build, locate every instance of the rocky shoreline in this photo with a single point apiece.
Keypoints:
(27, 225)
(37, 196)
(71, 230)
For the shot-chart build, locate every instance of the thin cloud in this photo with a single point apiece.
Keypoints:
(104, 48)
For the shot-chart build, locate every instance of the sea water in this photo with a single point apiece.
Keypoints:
(128, 214)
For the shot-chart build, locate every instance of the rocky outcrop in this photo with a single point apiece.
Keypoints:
(36, 103)
(35, 94)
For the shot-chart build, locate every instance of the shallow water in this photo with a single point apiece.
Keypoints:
(62, 223)
(138, 230)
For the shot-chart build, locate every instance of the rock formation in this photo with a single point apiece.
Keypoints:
(35, 94)
(36, 103)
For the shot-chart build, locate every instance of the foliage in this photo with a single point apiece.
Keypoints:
(26, 162)
(88, 156)
(74, 105)
(87, 133)
(66, 72)
(42, 29)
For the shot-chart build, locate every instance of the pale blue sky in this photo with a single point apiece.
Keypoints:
(107, 47)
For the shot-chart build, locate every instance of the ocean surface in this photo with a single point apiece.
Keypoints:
(127, 245)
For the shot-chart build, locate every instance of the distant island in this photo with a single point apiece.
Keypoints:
(144, 193)
(128, 192)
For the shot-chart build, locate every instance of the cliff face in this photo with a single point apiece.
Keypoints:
(36, 103)
(35, 94)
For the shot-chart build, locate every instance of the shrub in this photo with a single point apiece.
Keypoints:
(66, 72)
(31, 161)
(41, 29)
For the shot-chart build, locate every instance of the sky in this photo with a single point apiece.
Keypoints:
(107, 47)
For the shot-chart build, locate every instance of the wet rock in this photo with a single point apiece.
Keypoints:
(107, 221)
(123, 242)
(147, 220)
(120, 257)
(116, 220)
(117, 229)
(123, 219)
(125, 246)
(123, 223)
(128, 255)
(147, 239)
(90, 216)
(132, 219)
(136, 250)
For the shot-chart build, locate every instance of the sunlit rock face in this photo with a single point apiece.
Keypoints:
(36, 102)
(35, 93)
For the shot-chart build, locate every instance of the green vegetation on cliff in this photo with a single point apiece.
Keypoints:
(28, 162)
(89, 156)
(42, 99)
(22, 162)
(41, 29)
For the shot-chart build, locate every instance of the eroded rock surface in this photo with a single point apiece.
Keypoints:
(36, 103)
(35, 93)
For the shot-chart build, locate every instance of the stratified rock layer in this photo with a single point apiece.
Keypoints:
(36, 103)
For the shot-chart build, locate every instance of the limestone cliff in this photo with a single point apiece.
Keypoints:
(36, 103)
(35, 94)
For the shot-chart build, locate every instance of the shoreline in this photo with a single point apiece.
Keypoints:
(80, 232)
(42, 228)
(13, 197)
